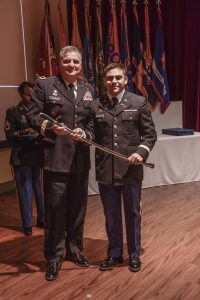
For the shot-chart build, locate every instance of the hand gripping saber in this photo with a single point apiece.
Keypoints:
(89, 142)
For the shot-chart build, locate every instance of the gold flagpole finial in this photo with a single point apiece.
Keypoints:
(112, 3)
(158, 2)
(87, 3)
(98, 2)
(135, 2)
(146, 2)
(123, 2)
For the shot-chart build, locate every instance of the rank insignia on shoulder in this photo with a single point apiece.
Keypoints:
(87, 96)
(6, 126)
(42, 77)
(12, 107)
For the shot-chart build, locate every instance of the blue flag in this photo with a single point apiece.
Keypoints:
(159, 73)
(88, 66)
(88, 70)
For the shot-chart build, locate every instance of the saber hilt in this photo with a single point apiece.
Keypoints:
(91, 143)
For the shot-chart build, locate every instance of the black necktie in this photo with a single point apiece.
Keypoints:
(114, 101)
(71, 91)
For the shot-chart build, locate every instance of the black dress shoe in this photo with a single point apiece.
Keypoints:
(110, 262)
(134, 263)
(40, 224)
(28, 231)
(52, 271)
(78, 259)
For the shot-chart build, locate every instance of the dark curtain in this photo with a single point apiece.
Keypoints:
(191, 62)
(181, 36)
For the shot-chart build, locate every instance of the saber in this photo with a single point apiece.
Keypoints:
(91, 143)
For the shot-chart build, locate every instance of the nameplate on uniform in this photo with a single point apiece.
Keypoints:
(101, 115)
(131, 110)
(54, 98)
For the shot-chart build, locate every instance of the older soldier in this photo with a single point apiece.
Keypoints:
(121, 121)
(67, 163)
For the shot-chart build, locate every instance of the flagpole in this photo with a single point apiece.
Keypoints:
(112, 3)
(158, 3)
(24, 43)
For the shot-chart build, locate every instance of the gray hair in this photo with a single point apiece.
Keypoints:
(67, 49)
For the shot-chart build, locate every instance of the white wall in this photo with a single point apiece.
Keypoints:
(170, 119)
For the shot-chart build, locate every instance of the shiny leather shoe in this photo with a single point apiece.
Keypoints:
(40, 224)
(134, 263)
(78, 259)
(110, 262)
(28, 231)
(52, 271)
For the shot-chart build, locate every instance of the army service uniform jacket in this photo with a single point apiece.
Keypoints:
(26, 149)
(51, 97)
(127, 128)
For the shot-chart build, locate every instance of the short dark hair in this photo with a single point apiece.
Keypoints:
(115, 66)
(24, 85)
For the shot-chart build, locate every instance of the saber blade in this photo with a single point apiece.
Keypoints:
(91, 143)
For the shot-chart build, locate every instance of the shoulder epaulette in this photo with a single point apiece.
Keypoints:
(88, 84)
(12, 107)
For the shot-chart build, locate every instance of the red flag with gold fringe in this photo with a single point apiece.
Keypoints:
(112, 46)
(137, 65)
(63, 37)
(76, 39)
(46, 62)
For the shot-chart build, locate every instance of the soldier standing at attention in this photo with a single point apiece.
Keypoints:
(67, 163)
(120, 121)
(26, 158)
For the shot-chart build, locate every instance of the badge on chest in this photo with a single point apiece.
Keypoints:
(100, 114)
(23, 119)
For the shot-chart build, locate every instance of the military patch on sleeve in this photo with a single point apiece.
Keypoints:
(6, 126)
(87, 96)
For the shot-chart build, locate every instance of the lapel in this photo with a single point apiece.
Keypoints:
(124, 104)
(80, 91)
(61, 87)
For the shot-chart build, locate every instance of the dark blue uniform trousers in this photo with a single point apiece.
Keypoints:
(65, 202)
(28, 181)
(111, 199)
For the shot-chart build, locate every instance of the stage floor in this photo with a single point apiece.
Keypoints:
(170, 259)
